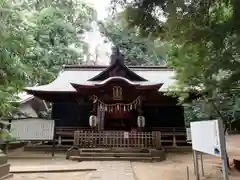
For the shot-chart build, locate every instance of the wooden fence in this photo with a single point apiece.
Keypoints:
(170, 136)
(117, 139)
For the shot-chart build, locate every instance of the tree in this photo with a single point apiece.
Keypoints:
(14, 42)
(204, 46)
(138, 50)
(36, 39)
(58, 32)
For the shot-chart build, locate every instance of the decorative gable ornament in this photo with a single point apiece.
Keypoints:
(141, 121)
(117, 93)
(93, 121)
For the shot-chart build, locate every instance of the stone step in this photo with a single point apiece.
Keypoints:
(79, 158)
(114, 154)
(4, 170)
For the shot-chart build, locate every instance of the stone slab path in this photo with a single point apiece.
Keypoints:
(114, 170)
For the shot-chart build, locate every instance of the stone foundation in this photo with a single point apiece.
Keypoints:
(158, 153)
(4, 166)
(72, 152)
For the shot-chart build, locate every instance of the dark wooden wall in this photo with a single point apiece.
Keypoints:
(74, 115)
(163, 116)
(71, 114)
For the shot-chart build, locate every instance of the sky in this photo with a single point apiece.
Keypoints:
(101, 7)
(94, 38)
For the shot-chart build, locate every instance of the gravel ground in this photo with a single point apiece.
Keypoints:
(174, 168)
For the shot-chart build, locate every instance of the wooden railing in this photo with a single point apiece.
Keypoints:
(164, 130)
(117, 139)
(170, 136)
(69, 131)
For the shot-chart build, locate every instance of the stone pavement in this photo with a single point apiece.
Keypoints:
(114, 170)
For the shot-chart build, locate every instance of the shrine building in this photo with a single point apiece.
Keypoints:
(114, 98)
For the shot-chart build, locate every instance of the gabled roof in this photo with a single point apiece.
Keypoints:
(78, 77)
(131, 75)
(83, 75)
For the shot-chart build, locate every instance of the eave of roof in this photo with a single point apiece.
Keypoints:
(99, 84)
(81, 75)
(24, 97)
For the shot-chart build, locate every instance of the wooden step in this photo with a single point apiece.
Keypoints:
(114, 150)
(78, 158)
(114, 154)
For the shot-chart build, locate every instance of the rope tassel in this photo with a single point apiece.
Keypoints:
(117, 106)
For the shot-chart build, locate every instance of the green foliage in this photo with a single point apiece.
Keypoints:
(138, 50)
(204, 49)
(224, 104)
(36, 39)
(6, 136)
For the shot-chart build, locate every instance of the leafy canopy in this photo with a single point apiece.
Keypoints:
(136, 49)
(36, 38)
(204, 46)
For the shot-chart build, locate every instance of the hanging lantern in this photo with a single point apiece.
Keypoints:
(141, 121)
(93, 121)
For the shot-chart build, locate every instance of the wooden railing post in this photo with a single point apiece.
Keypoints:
(74, 138)
(157, 135)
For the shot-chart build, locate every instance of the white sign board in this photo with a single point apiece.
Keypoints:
(206, 137)
(126, 135)
(189, 136)
(32, 129)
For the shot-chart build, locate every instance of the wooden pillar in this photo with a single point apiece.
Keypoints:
(54, 140)
(54, 131)
(99, 119)
(158, 139)
(102, 119)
